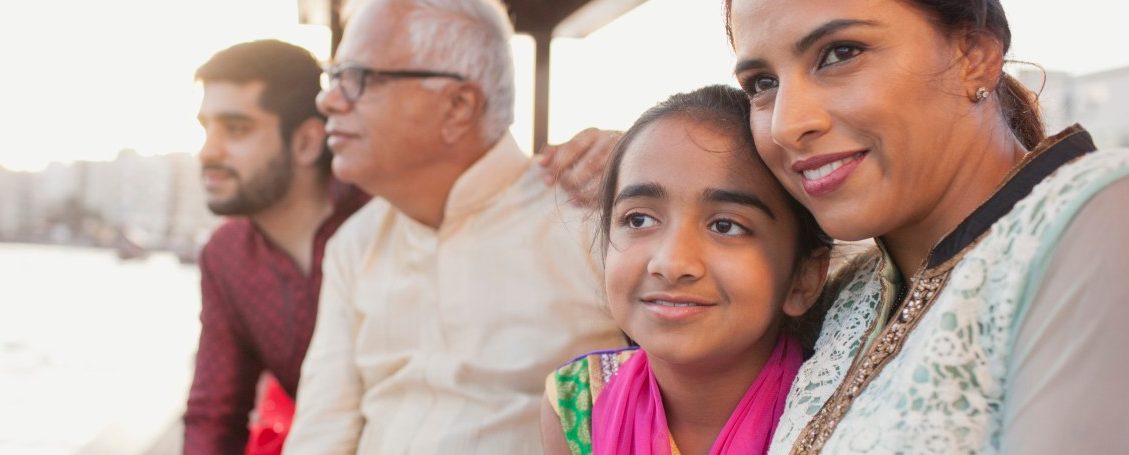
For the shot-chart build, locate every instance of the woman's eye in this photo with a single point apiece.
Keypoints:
(762, 83)
(839, 54)
(728, 227)
(638, 221)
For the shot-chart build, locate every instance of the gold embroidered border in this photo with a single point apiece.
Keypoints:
(868, 364)
(866, 367)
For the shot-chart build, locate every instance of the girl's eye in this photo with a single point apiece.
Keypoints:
(728, 227)
(838, 54)
(638, 221)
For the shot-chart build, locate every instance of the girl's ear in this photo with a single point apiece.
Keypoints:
(808, 283)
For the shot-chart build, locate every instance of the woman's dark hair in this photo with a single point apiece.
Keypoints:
(1019, 105)
(726, 108)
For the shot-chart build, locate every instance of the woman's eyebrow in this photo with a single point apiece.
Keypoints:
(805, 43)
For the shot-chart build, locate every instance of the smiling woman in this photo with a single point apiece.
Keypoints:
(893, 119)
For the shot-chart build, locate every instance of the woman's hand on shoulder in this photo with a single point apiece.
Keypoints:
(578, 165)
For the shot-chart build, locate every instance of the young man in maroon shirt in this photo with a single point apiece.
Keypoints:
(264, 164)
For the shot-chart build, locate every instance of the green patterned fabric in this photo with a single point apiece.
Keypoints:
(574, 402)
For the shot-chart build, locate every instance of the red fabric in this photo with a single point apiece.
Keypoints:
(258, 314)
(629, 417)
(275, 411)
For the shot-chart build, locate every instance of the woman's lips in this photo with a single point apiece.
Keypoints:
(822, 175)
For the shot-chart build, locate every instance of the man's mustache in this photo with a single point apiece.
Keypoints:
(219, 168)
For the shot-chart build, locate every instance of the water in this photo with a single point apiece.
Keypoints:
(95, 353)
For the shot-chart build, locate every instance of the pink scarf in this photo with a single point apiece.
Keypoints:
(628, 418)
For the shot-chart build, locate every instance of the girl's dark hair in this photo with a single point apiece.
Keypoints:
(1018, 104)
(727, 109)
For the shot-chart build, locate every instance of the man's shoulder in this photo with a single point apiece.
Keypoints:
(530, 189)
(230, 246)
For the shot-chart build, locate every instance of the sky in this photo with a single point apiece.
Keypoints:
(86, 79)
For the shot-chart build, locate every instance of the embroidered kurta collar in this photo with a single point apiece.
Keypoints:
(1048, 156)
(888, 332)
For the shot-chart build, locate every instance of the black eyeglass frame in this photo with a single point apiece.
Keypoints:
(334, 74)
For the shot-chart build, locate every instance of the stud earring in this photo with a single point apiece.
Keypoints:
(981, 95)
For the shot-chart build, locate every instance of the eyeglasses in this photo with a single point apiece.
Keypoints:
(352, 78)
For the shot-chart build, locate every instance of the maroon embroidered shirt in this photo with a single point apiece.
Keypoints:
(257, 314)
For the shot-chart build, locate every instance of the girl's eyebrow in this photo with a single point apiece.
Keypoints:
(716, 195)
(640, 190)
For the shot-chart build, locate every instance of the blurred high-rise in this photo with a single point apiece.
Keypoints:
(1099, 101)
(154, 201)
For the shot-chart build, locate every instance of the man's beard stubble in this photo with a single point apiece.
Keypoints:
(260, 191)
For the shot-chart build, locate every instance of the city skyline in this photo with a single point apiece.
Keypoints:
(134, 203)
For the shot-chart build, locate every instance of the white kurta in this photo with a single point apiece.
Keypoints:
(437, 342)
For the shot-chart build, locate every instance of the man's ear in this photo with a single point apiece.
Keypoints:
(465, 104)
(807, 284)
(307, 141)
(982, 60)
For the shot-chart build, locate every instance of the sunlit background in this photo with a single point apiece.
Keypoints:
(95, 354)
(85, 79)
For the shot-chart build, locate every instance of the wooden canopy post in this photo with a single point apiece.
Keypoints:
(544, 40)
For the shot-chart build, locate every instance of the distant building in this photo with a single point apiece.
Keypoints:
(1098, 101)
(156, 201)
(190, 221)
(52, 191)
(15, 205)
(131, 193)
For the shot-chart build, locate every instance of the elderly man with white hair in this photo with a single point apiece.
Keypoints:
(449, 297)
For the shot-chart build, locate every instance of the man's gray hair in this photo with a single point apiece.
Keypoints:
(471, 38)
